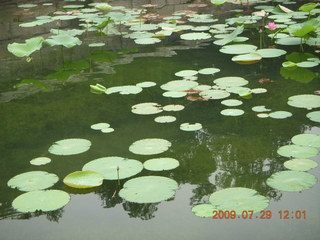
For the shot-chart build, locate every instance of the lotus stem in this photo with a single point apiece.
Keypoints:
(118, 175)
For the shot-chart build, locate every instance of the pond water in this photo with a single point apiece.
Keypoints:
(227, 152)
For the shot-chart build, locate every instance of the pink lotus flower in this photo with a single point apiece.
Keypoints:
(272, 26)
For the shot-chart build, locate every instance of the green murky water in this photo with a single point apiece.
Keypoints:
(228, 152)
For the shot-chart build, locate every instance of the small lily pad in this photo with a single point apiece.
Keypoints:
(195, 36)
(280, 114)
(34, 180)
(99, 126)
(291, 181)
(248, 58)
(305, 139)
(147, 41)
(314, 116)
(96, 44)
(262, 115)
(150, 189)
(261, 108)
(146, 84)
(161, 164)
(232, 112)
(83, 179)
(232, 102)
(44, 200)
(40, 161)
(150, 146)
(165, 119)
(203, 210)
(308, 101)
(307, 64)
(258, 90)
(214, 94)
(209, 71)
(299, 164)
(70, 146)
(107, 130)
(186, 73)
(174, 94)
(179, 85)
(173, 108)
(297, 151)
(190, 126)
(146, 108)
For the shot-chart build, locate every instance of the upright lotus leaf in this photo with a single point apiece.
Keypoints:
(44, 200)
(146, 108)
(302, 29)
(40, 161)
(34, 180)
(305, 139)
(308, 7)
(150, 146)
(229, 37)
(70, 146)
(113, 168)
(238, 199)
(297, 151)
(161, 164)
(300, 164)
(291, 181)
(190, 126)
(204, 210)
(314, 116)
(83, 179)
(63, 39)
(308, 101)
(150, 189)
(26, 49)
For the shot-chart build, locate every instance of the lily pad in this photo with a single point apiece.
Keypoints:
(232, 112)
(147, 41)
(258, 90)
(40, 161)
(305, 139)
(34, 180)
(190, 126)
(70, 146)
(174, 94)
(83, 179)
(44, 200)
(238, 199)
(124, 90)
(146, 84)
(109, 167)
(161, 164)
(173, 108)
(280, 114)
(248, 58)
(209, 71)
(165, 119)
(203, 210)
(314, 116)
(107, 130)
(271, 52)
(231, 81)
(179, 85)
(232, 102)
(214, 94)
(308, 101)
(186, 73)
(299, 164)
(146, 108)
(238, 49)
(96, 44)
(261, 108)
(150, 189)
(100, 126)
(291, 181)
(150, 146)
(195, 36)
(307, 64)
(63, 40)
(297, 151)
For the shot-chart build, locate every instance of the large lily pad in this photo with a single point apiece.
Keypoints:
(150, 189)
(179, 85)
(70, 146)
(305, 139)
(308, 101)
(112, 168)
(34, 180)
(150, 146)
(314, 116)
(44, 200)
(231, 81)
(271, 52)
(161, 164)
(300, 164)
(238, 49)
(238, 199)
(214, 94)
(203, 210)
(297, 151)
(291, 181)
(83, 179)
(146, 108)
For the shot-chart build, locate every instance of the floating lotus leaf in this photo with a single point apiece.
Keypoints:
(146, 84)
(64, 17)
(201, 28)
(305, 139)
(108, 167)
(308, 101)
(146, 108)
(248, 58)
(238, 49)
(291, 181)
(195, 36)
(231, 102)
(300, 164)
(150, 146)
(83, 179)
(227, 38)
(107, 130)
(173, 108)
(150, 189)
(147, 41)
(203, 210)
(25, 49)
(100, 126)
(96, 44)
(186, 73)
(174, 94)
(64, 40)
(144, 27)
(231, 81)
(232, 112)
(202, 88)
(280, 114)
(45, 200)
(307, 64)
(271, 52)
(214, 94)
(161, 164)
(190, 126)
(297, 151)
(124, 90)
(209, 71)
(179, 85)
(139, 35)
(289, 41)
(288, 64)
(40, 161)
(263, 115)
(165, 119)
(241, 91)
(258, 90)
(34, 180)
(74, 6)
(314, 116)
(70, 146)
(238, 199)
(260, 109)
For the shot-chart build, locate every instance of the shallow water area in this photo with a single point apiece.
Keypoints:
(57, 92)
